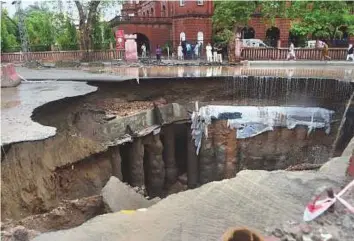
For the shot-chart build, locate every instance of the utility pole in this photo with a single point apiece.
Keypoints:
(60, 6)
(22, 27)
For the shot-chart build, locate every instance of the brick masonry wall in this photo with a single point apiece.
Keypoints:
(191, 7)
(261, 27)
(191, 26)
(156, 33)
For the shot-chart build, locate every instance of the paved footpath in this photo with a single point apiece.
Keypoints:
(66, 74)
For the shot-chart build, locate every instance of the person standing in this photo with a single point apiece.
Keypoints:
(219, 58)
(158, 53)
(143, 51)
(209, 53)
(350, 53)
(215, 54)
(291, 53)
(325, 51)
(196, 50)
(180, 52)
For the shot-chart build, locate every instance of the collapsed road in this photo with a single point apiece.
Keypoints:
(141, 134)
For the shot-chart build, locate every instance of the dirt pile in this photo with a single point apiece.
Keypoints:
(68, 214)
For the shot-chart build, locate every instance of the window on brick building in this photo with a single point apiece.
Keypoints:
(144, 13)
(182, 36)
(152, 12)
(163, 11)
(182, 2)
(200, 37)
(200, 2)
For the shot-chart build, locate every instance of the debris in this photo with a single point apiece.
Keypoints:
(318, 207)
(118, 196)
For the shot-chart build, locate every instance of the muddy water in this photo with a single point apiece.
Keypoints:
(343, 73)
(77, 161)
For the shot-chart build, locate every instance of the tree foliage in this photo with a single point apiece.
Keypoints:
(229, 16)
(318, 18)
(232, 16)
(39, 27)
(46, 27)
(322, 19)
(67, 40)
(9, 33)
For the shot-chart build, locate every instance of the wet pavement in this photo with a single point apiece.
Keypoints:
(17, 105)
(119, 73)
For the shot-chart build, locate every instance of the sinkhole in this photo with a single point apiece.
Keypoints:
(168, 135)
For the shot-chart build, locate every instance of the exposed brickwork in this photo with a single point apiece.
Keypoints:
(190, 18)
(260, 28)
(191, 26)
(156, 33)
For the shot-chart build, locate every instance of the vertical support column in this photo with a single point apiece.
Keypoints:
(155, 169)
(207, 164)
(231, 155)
(116, 162)
(169, 155)
(136, 157)
(238, 46)
(192, 162)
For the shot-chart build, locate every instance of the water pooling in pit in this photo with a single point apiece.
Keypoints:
(141, 133)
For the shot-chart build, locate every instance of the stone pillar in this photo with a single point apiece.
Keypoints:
(279, 43)
(207, 164)
(155, 169)
(238, 45)
(136, 158)
(169, 155)
(116, 162)
(192, 162)
(131, 49)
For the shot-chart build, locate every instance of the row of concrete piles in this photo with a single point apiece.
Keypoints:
(151, 162)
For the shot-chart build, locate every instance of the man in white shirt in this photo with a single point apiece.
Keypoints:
(180, 52)
(143, 51)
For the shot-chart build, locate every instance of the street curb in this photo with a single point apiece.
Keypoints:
(299, 63)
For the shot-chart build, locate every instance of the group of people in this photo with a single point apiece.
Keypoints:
(213, 54)
(324, 46)
(186, 50)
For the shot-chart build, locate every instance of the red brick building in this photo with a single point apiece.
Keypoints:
(160, 22)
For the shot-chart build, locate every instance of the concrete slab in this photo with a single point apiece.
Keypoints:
(119, 196)
(17, 105)
(256, 199)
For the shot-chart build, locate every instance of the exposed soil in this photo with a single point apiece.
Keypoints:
(67, 215)
(76, 163)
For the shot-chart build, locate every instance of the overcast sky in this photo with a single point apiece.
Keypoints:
(108, 14)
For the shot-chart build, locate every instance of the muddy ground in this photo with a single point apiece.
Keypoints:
(76, 163)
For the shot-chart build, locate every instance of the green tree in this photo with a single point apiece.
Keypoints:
(232, 16)
(89, 12)
(322, 19)
(40, 29)
(67, 40)
(9, 33)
